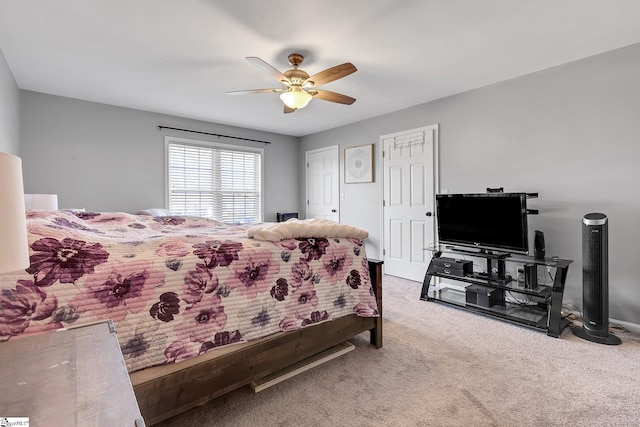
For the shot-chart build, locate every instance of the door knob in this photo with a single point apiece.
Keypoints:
(428, 214)
(333, 210)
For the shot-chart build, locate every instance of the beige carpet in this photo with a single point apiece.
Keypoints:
(441, 366)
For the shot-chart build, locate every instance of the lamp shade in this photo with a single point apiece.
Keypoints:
(295, 98)
(14, 249)
(45, 202)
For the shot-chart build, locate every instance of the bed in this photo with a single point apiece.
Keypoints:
(200, 308)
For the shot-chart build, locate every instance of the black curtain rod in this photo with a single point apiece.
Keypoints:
(214, 134)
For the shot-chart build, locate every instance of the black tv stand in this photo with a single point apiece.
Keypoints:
(537, 307)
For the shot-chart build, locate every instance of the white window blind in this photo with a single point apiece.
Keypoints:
(214, 182)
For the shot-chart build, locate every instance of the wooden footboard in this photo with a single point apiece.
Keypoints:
(171, 394)
(375, 271)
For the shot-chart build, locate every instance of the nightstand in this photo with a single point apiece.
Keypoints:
(71, 377)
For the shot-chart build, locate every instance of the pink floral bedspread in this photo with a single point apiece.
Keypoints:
(176, 287)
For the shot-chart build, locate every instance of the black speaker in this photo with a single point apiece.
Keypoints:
(538, 245)
(595, 281)
(531, 276)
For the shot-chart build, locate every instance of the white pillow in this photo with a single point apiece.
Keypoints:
(155, 212)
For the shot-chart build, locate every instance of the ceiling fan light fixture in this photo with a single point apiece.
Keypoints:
(298, 87)
(295, 99)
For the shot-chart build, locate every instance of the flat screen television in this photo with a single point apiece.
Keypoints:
(488, 221)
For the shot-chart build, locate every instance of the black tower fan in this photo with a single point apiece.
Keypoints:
(595, 281)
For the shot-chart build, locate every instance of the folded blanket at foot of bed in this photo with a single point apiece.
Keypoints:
(305, 228)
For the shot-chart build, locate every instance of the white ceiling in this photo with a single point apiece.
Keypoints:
(180, 57)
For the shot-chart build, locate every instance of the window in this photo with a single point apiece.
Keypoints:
(216, 181)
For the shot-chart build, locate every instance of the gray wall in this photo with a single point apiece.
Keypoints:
(570, 133)
(106, 158)
(9, 110)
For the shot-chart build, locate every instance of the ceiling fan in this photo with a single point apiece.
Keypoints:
(297, 87)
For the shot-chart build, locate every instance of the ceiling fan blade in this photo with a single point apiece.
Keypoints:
(332, 96)
(269, 69)
(245, 92)
(333, 73)
(288, 110)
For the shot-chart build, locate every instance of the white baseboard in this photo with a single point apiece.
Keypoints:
(633, 327)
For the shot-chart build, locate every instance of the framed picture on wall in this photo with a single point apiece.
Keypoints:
(358, 164)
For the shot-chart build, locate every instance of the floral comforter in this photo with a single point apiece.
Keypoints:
(176, 287)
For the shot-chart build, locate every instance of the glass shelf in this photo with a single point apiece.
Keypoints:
(534, 316)
(541, 291)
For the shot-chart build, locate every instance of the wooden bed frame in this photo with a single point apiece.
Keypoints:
(169, 394)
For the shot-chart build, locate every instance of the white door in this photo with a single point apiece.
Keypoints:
(323, 186)
(409, 187)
